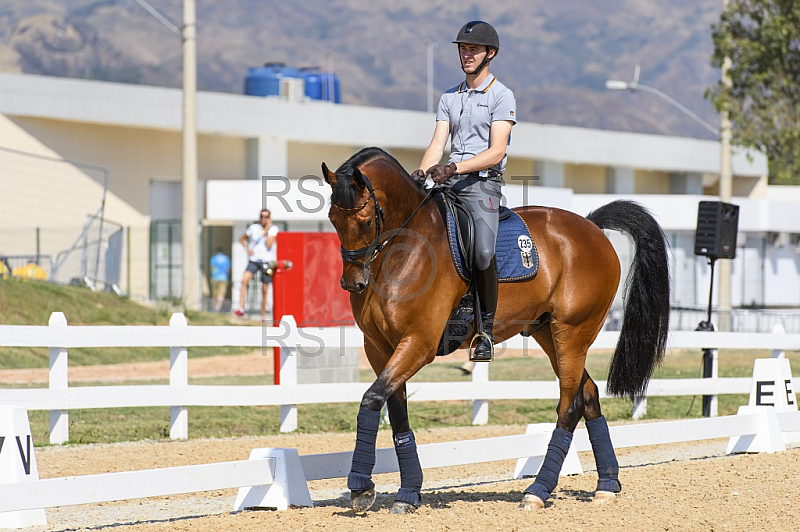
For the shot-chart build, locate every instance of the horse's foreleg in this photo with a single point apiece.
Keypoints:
(404, 363)
(604, 457)
(359, 481)
(408, 496)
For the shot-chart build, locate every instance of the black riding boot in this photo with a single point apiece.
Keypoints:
(486, 286)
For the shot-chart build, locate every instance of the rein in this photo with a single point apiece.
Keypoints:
(372, 250)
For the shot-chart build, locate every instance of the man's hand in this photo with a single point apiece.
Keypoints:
(418, 176)
(441, 172)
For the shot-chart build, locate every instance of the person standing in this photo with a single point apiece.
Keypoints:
(220, 265)
(259, 241)
(476, 116)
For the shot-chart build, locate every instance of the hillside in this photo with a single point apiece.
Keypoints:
(556, 56)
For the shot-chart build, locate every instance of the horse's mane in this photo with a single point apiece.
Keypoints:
(343, 193)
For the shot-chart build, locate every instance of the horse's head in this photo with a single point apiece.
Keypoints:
(358, 218)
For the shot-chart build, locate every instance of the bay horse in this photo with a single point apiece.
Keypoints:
(404, 287)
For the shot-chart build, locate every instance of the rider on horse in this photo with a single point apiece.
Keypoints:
(477, 116)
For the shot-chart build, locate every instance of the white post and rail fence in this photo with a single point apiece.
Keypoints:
(179, 396)
(277, 478)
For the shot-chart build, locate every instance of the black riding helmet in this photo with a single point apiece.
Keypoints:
(480, 33)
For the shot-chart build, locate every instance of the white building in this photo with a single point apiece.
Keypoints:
(57, 137)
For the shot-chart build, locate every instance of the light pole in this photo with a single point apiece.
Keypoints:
(189, 238)
(190, 254)
(725, 194)
(633, 86)
(723, 134)
(431, 47)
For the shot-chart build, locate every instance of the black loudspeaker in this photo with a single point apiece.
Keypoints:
(717, 226)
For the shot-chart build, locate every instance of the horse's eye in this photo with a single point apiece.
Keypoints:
(368, 224)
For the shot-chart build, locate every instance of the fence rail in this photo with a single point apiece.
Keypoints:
(59, 398)
(105, 487)
(278, 478)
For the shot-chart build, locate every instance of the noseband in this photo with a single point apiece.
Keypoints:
(371, 251)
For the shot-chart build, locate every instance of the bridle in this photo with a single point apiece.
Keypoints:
(371, 251)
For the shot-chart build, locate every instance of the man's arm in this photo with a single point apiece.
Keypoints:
(436, 148)
(271, 238)
(243, 242)
(500, 131)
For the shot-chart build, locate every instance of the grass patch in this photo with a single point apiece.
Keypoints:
(81, 306)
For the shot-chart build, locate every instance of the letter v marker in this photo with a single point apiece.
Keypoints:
(26, 460)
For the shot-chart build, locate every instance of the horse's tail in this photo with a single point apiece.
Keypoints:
(643, 337)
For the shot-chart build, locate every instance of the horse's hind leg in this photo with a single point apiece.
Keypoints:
(604, 457)
(408, 497)
(567, 347)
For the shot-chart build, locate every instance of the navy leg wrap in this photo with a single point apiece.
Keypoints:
(360, 477)
(547, 477)
(604, 456)
(410, 469)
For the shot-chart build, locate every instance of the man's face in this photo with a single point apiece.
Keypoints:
(265, 218)
(472, 55)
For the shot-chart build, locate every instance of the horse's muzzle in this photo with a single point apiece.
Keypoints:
(353, 288)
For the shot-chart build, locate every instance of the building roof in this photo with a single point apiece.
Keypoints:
(147, 107)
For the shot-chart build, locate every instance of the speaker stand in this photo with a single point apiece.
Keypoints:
(708, 353)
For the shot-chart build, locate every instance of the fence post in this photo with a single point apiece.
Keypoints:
(711, 372)
(288, 377)
(778, 329)
(59, 368)
(178, 376)
(480, 407)
(639, 408)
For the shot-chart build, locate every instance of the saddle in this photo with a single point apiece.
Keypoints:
(515, 251)
(463, 226)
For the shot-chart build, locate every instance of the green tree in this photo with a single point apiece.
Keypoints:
(762, 40)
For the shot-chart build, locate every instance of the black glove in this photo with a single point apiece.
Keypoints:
(441, 172)
(418, 176)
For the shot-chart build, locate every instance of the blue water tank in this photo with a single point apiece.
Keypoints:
(266, 80)
(321, 85)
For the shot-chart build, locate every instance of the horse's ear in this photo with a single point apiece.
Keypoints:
(328, 176)
(358, 178)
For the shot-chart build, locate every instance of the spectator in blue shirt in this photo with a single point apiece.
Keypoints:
(220, 270)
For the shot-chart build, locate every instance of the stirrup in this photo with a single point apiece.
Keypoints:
(472, 356)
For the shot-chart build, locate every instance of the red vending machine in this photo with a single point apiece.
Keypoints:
(310, 289)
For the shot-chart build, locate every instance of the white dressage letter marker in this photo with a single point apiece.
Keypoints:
(771, 391)
(772, 385)
(288, 489)
(17, 463)
(529, 467)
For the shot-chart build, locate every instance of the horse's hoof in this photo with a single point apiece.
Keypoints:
(604, 497)
(400, 507)
(361, 501)
(531, 503)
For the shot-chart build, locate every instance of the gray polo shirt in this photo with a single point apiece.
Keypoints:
(471, 113)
